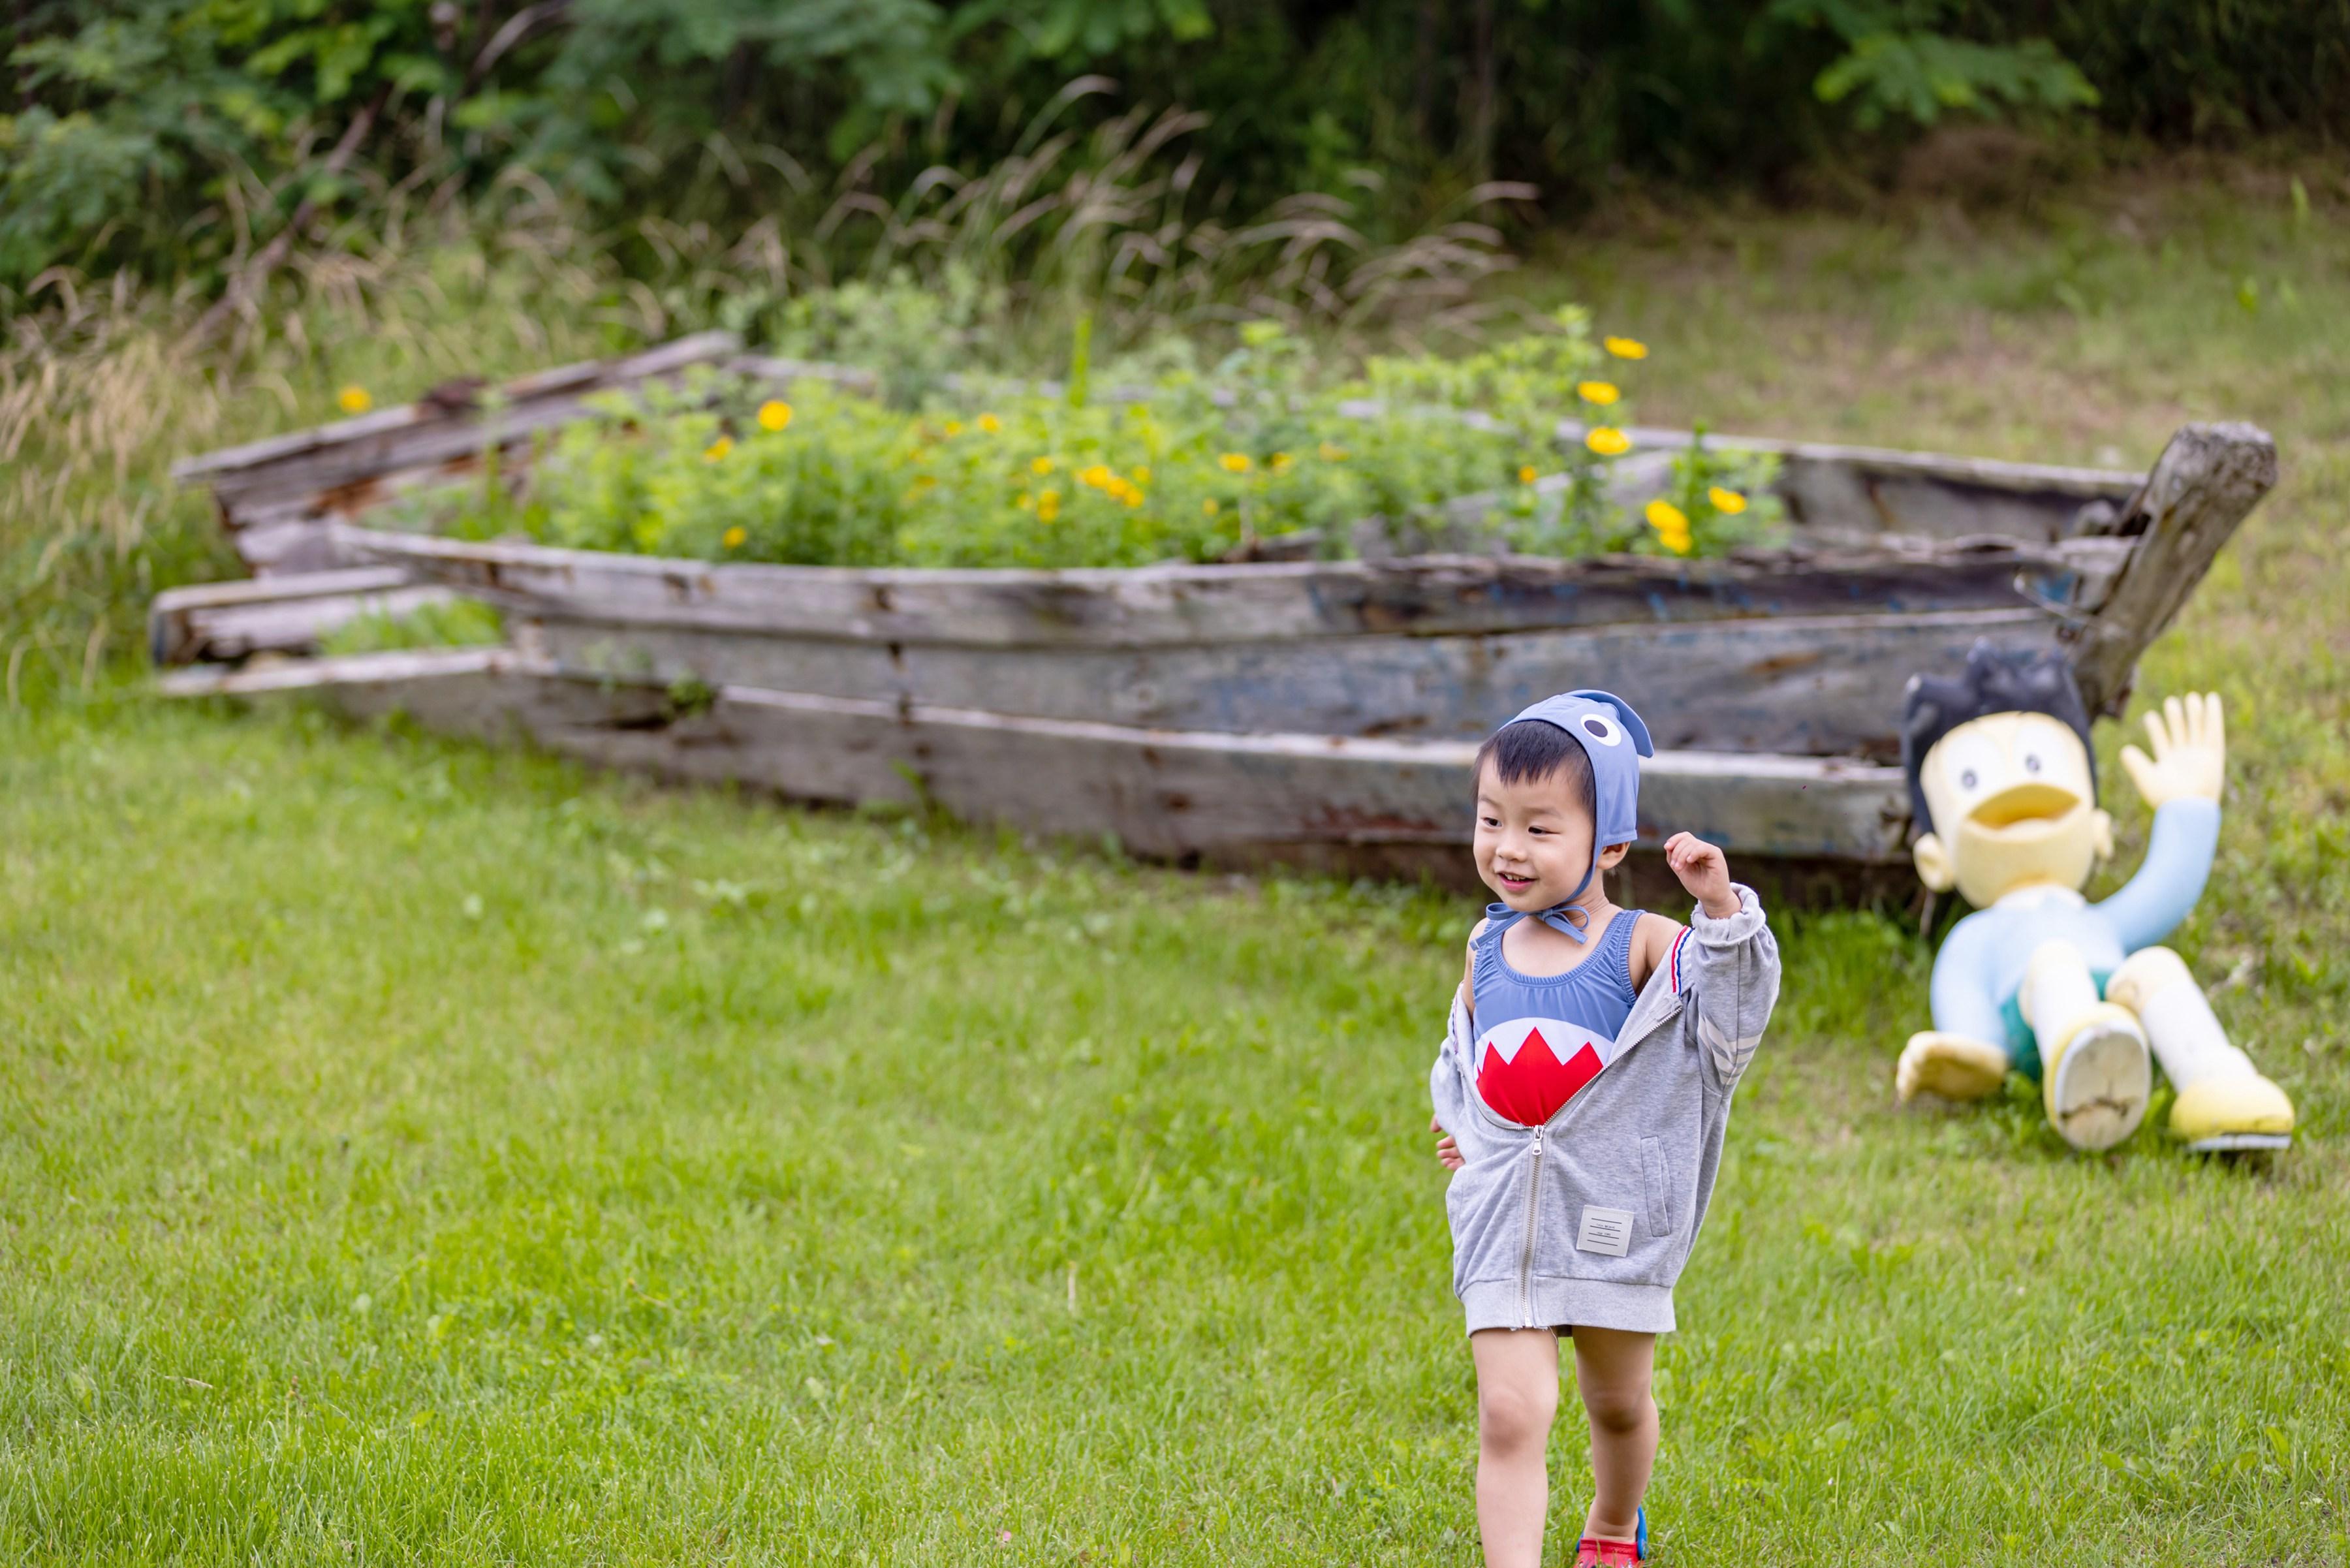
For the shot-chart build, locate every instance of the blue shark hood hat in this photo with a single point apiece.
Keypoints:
(1614, 738)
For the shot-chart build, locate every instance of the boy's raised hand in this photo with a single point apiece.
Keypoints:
(1704, 871)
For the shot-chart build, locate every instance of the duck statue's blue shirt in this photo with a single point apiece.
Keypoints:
(1980, 967)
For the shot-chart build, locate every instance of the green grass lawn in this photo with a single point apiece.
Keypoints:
(415, 1153)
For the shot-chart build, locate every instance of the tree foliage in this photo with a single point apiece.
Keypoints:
(1899, 63)
(175, 135)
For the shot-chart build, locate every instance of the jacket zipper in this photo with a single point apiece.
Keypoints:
(1526, 1254)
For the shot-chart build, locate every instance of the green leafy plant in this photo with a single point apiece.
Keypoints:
(1265, 453)
(1715, 501)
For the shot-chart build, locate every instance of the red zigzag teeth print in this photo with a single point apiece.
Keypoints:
(1530, 1089)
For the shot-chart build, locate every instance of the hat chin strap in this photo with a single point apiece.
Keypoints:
(1555, 916)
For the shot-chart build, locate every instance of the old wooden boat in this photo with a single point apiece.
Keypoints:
(1321, 712)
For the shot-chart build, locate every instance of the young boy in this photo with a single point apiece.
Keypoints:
(1582, 1092)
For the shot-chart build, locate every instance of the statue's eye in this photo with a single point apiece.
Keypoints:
(2031, 762)
(1974, 764)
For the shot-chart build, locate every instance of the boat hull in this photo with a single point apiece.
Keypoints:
(1314, 711)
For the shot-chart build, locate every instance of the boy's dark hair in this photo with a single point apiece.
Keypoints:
(1530, 749)
(1993, 682)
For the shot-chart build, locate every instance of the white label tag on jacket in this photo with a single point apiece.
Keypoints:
(1607, 1230)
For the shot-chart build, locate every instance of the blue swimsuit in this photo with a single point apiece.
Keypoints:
(1540, 1038)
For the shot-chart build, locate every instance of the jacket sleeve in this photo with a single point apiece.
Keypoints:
(1730, 967)
(1445, 1088)
(1449, 1085)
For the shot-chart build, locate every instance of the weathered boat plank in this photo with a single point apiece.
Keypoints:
(1169, 793)
(1814, 686)
(234, 620)
(304, 465)
(2206, 482)
(1148, 606)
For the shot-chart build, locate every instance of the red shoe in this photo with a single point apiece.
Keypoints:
(1602, 1552)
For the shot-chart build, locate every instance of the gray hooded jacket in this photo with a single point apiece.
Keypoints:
(1588, 1218)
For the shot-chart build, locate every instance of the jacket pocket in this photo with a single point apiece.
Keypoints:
(1485, 1205)
(1657, 1177)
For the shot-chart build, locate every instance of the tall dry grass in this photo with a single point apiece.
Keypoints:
(103, 384)
(1122, 224)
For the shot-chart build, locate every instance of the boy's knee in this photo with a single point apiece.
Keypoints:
(1516, 1417)
(1616, 1407)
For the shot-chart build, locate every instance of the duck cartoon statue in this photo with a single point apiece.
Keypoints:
(2037, 979)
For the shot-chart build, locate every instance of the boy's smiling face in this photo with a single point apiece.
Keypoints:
(1534, 838)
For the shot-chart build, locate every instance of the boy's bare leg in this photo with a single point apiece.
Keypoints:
(1517, 1394)
(1611, 1369)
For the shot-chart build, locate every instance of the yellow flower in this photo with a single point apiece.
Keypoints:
(1279, 463)
(1671, 524)
(1600, 392)
(954, 428)
(718, 449)
(1141, 473)
(1331, 453)
(1042, 465)
(773, 415)
(1209, 507)
(1608, 441)
(1625, 347)
(734, 538)
(1048, 506)
(925, 481)
(989, 423)
(1024, 500)
(1727, 502)
(1234, 463)
(1526, 474)
(1098, 476)
(354, 400)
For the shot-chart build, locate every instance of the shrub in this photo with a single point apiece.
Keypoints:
(1264, 451)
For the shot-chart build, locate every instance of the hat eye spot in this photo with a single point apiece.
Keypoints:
(1602, 731)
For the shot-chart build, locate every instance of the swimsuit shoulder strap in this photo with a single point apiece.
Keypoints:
(1485, 971)
(1615, 948)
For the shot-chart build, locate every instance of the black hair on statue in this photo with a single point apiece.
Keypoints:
(1993, 682)
(1530, 749)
